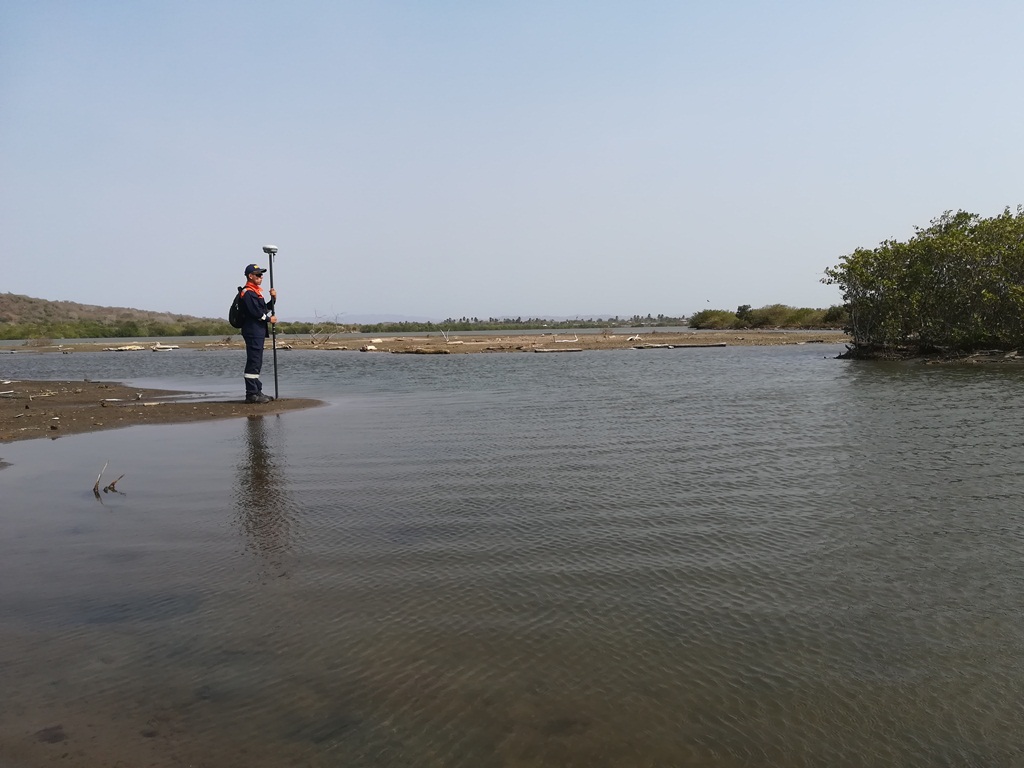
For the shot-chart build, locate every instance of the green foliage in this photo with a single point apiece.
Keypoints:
(53, 325)
(771, 316)
(89, 329)
(957, 284)
(836, 316)
(715, 319)
(24, 317)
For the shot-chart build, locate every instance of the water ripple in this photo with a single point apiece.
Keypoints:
(724, 558)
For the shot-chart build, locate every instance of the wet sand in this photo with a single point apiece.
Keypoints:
(563, 342)
(456, 343)
(33, 409)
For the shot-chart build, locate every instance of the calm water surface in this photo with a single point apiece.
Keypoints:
(725, 557)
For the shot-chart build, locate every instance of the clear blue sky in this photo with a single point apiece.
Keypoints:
(536, 157)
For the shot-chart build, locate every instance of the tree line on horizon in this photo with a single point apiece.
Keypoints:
(139, 326)
(955, 285)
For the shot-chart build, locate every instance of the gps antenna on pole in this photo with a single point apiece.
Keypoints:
(271, 251)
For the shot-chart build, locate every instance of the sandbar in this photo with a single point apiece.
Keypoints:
(52, 409)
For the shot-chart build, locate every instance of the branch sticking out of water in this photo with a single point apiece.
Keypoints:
(96, 488)
(111, 488)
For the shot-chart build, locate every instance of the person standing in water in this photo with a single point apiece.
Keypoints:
(258, 316)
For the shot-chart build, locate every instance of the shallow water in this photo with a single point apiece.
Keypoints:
(740, 556)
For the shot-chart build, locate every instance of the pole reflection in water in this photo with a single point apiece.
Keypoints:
(261, 508)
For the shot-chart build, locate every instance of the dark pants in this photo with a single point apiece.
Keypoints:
(253, 362)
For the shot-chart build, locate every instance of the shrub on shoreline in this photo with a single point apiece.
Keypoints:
(955, 286)
(771, 316)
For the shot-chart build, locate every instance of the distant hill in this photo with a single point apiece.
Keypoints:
(25, 310)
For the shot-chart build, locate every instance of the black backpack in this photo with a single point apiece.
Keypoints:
(236, 315)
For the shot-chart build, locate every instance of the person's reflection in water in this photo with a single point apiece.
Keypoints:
(260, 502)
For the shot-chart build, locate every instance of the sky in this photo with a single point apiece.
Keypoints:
(444, 158)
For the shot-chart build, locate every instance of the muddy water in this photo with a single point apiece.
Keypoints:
(691, 557)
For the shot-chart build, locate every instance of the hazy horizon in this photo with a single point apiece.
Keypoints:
(530, 158)
(384, 317)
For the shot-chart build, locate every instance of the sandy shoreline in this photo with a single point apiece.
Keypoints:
(34, 409)
(467, 343)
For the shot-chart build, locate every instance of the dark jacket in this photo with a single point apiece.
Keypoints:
(257, 313)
